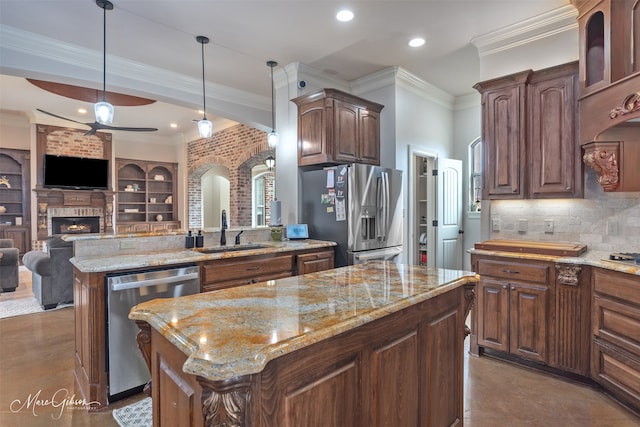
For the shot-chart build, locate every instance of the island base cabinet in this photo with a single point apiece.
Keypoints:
(405, 369)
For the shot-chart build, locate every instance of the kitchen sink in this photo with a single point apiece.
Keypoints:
(235, 248)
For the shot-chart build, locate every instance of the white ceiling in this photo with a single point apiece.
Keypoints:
(157, 38)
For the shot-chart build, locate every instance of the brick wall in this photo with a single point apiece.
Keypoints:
(239, 149)
(73, 143)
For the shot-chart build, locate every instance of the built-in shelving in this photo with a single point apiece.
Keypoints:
(15, 211)
(146, 193)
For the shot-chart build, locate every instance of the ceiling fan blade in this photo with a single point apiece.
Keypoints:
(63, 118)
(129, 129)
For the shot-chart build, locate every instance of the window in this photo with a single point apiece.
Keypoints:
(475, 175)
(263, 189)
(259, 202)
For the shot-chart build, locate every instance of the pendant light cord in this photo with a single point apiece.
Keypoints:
(202, 41)
(273, 103)
(104, 53)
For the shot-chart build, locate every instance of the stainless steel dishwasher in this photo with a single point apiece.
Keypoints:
(127, 370)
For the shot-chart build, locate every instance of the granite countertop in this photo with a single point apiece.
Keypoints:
(183, 256)
(236, 331)
(592, 258)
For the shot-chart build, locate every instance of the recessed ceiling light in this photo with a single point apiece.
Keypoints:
(417, 42)
(344, 16)
(82, 110)
(174, 125)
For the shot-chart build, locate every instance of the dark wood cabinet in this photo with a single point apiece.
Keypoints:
(336, 127)
(615, 360)
(404, 369)
(315, 261)
(554, 163)
(145, 196)
(226, 273)
(530, 135)
(513, 308)
(15, 198)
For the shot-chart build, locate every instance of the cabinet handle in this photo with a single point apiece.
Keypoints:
(511, 271)
(513, 288)
(253, 268)
(505, 287)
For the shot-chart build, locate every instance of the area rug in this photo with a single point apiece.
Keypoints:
(18, 307)
(135, 415)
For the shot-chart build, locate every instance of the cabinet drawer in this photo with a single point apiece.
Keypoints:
(618, 323)
(537, 273)
(618, 372)
(622, 286)
(223, 270)
(245, 281)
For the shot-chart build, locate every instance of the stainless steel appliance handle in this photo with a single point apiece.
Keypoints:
(379, 205)
(153, 282)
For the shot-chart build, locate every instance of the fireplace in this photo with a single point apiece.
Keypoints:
(75, 225)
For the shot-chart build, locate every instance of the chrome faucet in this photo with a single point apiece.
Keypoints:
(238, 237)
(223, 238)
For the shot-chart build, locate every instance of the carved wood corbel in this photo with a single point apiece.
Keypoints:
(602, 157)
(143, 339)
(470, 297)
(568, 275)
(226, 403)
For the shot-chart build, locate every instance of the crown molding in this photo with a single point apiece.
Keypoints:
(539, 27)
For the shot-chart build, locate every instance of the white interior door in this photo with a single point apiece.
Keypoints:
(449, 214)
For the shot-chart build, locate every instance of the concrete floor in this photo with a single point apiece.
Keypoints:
(37, 359)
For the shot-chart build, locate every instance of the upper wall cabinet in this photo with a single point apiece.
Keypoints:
(529, 134)
(609, 41)
(336, 127)
(609, 32)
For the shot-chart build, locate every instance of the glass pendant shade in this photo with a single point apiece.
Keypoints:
(205, 128)
(104, 112)
(270, 162)
(272, 139)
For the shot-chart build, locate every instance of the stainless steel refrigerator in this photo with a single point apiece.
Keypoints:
(359, 207)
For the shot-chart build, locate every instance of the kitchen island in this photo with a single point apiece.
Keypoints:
(98, 257)
(373, 344)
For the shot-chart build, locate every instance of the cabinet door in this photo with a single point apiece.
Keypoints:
(553, 161)
(317, 261)
(369, 137)
(493, 314)
(312, 133)
(346, 132)
(528, 321)
(504, 137)
(20, 237)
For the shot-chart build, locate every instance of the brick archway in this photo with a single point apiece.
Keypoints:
(238, 148)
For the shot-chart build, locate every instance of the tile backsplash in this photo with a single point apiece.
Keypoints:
(603, 221)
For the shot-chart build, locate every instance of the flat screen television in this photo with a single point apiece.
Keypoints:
(76, 172)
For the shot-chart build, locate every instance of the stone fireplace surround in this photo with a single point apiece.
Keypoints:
(54, 202)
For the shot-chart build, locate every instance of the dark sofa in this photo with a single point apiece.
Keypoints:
(51, 272)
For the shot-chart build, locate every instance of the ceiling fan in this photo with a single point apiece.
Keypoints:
(103, 110)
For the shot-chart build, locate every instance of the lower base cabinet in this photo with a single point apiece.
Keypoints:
(615, 360)
(513, 307)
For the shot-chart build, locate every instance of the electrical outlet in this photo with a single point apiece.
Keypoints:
(495, 225)
(548, 226)
(612, 228)
(523, 225)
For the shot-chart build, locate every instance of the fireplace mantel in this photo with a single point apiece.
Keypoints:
(50, 198)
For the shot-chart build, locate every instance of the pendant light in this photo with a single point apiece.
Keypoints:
(104, 110)
(270, 162)
(205, 127)
(272, 138)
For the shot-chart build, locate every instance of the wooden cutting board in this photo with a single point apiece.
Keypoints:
(524, 246)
